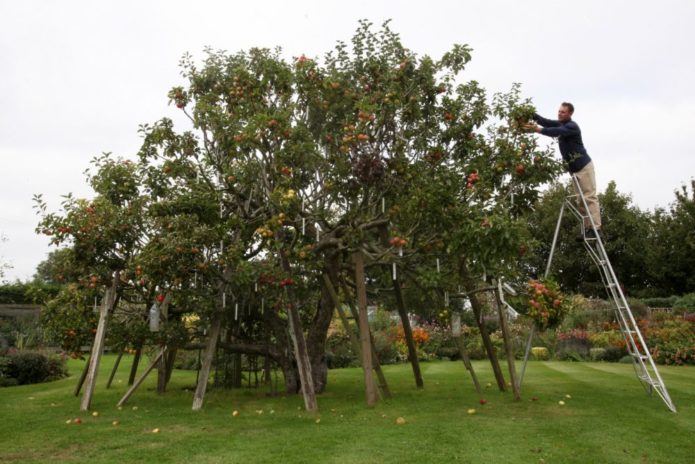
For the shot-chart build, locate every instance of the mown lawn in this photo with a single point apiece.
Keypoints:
(607, 419)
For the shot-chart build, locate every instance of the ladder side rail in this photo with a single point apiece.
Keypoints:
(661, 386)
(621, 299)
(552, 248)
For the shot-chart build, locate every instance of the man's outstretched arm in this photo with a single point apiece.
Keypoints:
(545, 122)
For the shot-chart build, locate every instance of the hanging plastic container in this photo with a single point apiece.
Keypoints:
(154, 318)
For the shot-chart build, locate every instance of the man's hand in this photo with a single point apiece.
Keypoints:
(531, 127)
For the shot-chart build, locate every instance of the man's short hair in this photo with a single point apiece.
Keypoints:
(569, 106)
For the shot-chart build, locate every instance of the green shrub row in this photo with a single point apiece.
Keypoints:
(27, 367)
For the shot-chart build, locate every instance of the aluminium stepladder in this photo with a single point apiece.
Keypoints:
(642, 360)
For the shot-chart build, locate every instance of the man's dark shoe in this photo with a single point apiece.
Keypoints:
(589, 234)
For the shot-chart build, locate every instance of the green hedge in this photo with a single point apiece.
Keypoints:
(27, 367)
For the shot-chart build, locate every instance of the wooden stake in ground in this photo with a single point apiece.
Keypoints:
(134, 367)
(509, 349)
(204, 373)
(83, 376)
(354, 340)
(301, 353)
(403, 313)
(162, 373)
(470, 288)
(142, 378)
(365, 342)
(115, 368)
(107, 305)
(460, 342)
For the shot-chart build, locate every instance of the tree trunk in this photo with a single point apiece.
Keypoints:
(291, 374)
(365, 341)
(469, 286)
(316, 339)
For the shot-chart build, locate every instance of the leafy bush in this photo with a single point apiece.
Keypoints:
(540, 353)
(674, 343)
(597, 354)
(639, 309)
(685, 303)
(339, 351)
(660, 302)
(27, 367)
(573, 345)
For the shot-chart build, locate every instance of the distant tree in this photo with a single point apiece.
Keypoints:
(56, 268)
(625, 234)
(3, 265)
(672, 254)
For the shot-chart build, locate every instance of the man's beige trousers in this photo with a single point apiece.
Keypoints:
(587, 182)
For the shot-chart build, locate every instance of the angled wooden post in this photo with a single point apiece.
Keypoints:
(301, 353)
(98, 346)
(403, 314)
(115, 368)
(365, 341)
(460, 342)
(134, 366)
(354, 340)
(83, 376)
(204, 374)
(142, 378)
(508, 347)
(162, 373)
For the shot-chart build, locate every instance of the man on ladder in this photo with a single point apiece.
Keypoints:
(582, 170)
(578, 161)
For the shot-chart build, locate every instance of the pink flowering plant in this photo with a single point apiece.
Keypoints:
(547, 305)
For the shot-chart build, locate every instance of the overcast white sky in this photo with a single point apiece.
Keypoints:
(78, 77)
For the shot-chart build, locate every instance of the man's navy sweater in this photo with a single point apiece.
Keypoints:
(570, 140)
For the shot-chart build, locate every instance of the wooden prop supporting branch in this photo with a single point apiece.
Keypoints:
(354, 340)
(469, 286)
(134, 367)
(460, 342)
(204, 373)
(107, 305)
(405, 321)
(142, 378)
(365, 339)
(115, 368)
(83, 376)
(162, 373)
(301, 352)
(508, 346)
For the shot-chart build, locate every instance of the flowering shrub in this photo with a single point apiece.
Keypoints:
(674, 342)
(547, 306)
(420, 335)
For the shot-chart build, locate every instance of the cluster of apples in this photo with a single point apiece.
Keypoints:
(398, 242)
(472, 178)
